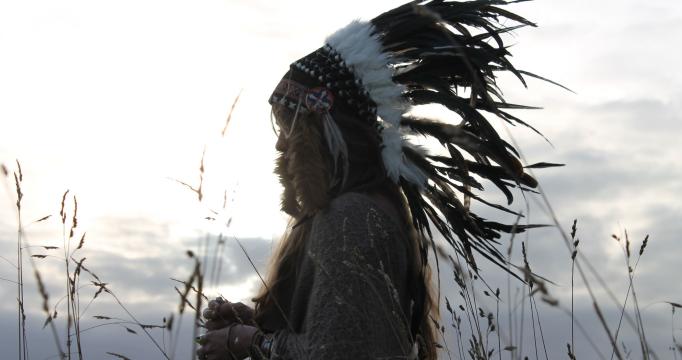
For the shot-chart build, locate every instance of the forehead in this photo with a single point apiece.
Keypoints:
(288, 93)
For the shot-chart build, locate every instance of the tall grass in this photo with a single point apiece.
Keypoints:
(74, 266)
(473, 326)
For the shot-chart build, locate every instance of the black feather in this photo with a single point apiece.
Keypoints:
(449, 53)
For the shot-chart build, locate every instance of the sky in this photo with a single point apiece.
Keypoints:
(118, 102)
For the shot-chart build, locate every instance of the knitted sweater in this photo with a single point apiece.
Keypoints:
(351, 298)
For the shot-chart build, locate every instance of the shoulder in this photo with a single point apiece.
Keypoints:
(357, 220)
(356, 208)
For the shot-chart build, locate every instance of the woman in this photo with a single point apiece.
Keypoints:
(346, 276)
(351, 278)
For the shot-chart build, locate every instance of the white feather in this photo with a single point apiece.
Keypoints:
(361, 49)
(337, 146)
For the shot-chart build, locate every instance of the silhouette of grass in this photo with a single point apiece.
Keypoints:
(473, 318)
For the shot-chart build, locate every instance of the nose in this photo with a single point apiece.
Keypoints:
(281, 144)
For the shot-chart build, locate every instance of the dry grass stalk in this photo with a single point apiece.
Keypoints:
(136, 322)
(581, 272)
(62, 213)
(43, 219)
(72, 296)
(184, 301)
(570, 352)
(631, 273)
(198, 190)
(71, 316)
(21, 246)
(21, 318)
(116, 355)
(576, 241)
(675, 346)
(229, 115)
(198, 299)
(475, 314)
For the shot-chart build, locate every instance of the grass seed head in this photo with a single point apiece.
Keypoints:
(81, 242)
(21, 173)
(20, 195)
(74, 219)
(641, 249)
(62, 213)
(169, 322)
(550, 300)
(43, 218)
(570, 352)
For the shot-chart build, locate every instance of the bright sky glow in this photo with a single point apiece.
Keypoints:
(117, 100)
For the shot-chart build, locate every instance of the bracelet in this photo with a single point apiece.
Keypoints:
(261, 346)
(266, 345)
(254, 349)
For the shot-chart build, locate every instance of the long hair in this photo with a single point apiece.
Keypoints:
(305, 171)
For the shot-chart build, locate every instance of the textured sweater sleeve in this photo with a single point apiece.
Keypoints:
(358, 261)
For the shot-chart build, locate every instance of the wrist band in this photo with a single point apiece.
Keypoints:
(261, 346)
(266, 345)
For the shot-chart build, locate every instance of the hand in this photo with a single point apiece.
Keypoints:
(221, 313)
(232, 342)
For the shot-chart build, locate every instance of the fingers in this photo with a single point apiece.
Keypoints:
(213, 345)
(208, 313)
(226, 311)
(215, 324)
(221, 312)
(205, 353)
(213, 304)
(243, 313)
(213, 310)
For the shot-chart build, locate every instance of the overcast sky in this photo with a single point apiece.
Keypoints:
(117, 100)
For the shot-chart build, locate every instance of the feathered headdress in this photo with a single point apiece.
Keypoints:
(424, 52)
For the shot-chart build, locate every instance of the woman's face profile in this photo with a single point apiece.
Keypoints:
(281, 124)
(281, 144)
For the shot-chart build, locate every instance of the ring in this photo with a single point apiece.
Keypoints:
(200, 340)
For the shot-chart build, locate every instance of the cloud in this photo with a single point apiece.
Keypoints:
(140, 279)
(621, 172)
(619, 137)
(96, 341)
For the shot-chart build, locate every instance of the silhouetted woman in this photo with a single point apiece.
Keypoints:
(350, 278)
